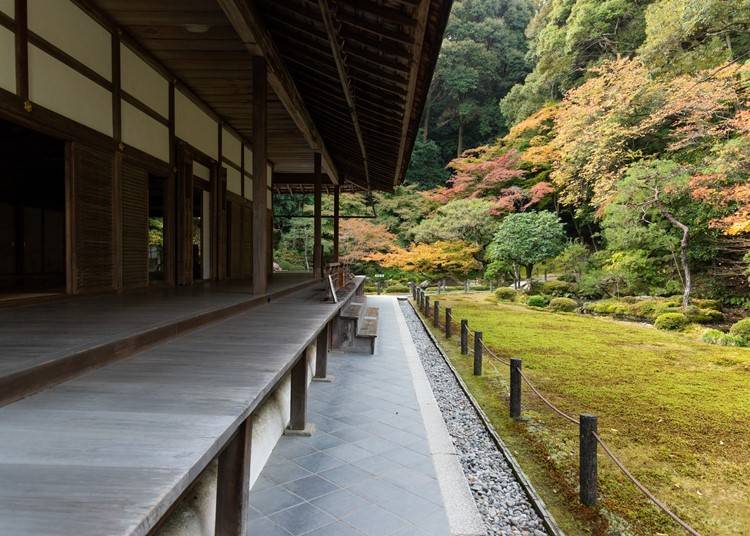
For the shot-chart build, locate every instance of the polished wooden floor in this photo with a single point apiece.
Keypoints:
(43, 342)
(109, 451)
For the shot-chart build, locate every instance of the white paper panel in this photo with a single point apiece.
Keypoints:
(143, 82)
(8, 7)
(66, 26)
(199, 170)
(269, 199)
(195, 126)
(269, 175)
(231, 147)
(143, 132)
(234, 180)
(7, 60)
(248, 188)
(248, 160)
(54, 85)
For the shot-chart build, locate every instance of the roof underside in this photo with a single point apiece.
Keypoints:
(387, 51)
(361, 67)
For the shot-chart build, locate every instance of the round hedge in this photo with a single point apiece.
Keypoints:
(563, 305)
(506, 294)
(537, 300)
(559, 288)
(671, 321)
(741, 329)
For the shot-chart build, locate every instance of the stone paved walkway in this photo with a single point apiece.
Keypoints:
(367, 469)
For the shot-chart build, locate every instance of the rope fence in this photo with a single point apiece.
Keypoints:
(588, 437)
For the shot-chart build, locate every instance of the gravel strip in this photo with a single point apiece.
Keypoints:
(501, 501)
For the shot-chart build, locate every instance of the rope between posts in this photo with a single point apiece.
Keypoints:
(650, 496)
(554, 408)
(643, 488)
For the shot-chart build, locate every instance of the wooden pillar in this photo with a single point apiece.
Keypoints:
(335, 257)
(297, 419)
(321, 355)
(261, 247)
(317, 249)
(22, 52)
(233, 484)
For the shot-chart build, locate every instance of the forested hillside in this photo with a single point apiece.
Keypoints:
(627, 120)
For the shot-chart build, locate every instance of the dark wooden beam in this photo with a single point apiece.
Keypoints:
(321, 352)
(423, 12)
(233, 484)
(261, 248)
(298, 178)
(22, 51)
(338, 56)
(247, 22)
(317, 248)
(298, 413)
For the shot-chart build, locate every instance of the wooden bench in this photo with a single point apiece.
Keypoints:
(358, 326)
(113, 450)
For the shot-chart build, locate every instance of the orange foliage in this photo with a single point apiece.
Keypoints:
(361, 238)
(440, 259)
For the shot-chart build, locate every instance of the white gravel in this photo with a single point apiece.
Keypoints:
(500, 499)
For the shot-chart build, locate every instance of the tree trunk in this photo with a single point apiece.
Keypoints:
(529, 269)
(466, 286)
(516, 275)
(460, 138)
(688, 283)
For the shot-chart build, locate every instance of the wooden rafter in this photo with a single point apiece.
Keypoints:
(423, 12)
(245, 19)
(338, 55)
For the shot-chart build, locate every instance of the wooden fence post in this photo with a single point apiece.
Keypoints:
(515, 388)
(448, 314)
(477, 353)
(426, 311)
(436, 314)
(464, 337)
(587, 464)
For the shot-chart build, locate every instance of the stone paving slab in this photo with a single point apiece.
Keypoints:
(367, 470)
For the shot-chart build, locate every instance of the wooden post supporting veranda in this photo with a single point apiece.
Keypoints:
(261, 246)
(335, 256)
(298, 413)
(321, 356)
(317, 249)
(233, 484)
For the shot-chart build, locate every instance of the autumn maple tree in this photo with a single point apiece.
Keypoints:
(361, 238)
(443, 259)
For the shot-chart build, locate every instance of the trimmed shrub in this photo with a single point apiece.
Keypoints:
(537, 300)
(479, 288)
(706, 316)
(741, 329)
(563, 305)
(671, 321)
(712, 336)
(506, 294)
(727, 339)
(396, 289)
(559, 288)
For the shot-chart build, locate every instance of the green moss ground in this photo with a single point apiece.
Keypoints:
(676, 410)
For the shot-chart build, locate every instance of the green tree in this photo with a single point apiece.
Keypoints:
(426, 169)
(527, 238)
(567, 37)
(686, 36)
(482, 56)
(463, 219)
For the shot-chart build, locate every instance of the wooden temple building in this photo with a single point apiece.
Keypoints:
(147, 349)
